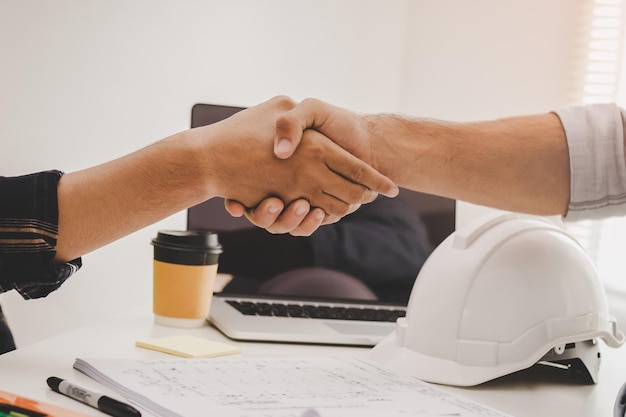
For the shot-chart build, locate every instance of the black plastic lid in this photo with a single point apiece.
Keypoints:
(187, 247)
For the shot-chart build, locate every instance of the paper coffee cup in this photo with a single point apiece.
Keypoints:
(184, 271)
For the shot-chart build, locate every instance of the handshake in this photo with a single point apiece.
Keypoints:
(290, 168)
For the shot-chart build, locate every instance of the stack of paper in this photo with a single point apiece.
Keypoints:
(277, 387)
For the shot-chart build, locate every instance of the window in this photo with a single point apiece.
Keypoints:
(604, 52)
(605, 81)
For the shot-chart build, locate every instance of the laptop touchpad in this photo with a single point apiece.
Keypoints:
(361, 328)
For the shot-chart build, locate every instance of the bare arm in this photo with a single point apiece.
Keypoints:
(519, 164)
(231, 159)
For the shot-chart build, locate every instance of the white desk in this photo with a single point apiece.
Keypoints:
(24, 371)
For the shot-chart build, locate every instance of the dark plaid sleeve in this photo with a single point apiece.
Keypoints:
(28, 235)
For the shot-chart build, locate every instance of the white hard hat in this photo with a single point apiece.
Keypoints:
(496, 297)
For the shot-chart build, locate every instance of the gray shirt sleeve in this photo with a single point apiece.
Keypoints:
(595, 137)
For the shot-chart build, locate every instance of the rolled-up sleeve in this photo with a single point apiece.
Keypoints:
(28, 235)
(595, 138)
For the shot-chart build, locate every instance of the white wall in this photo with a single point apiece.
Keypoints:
(82, 82)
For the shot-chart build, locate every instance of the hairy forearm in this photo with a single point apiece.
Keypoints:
(101, 204)
(519, 164)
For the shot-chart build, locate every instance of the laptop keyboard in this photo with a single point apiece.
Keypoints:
(252, 308)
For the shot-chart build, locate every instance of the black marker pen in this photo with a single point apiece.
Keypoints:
(101, 402)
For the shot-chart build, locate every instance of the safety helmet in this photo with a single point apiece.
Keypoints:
(498, 296)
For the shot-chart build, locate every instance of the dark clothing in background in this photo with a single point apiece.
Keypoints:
(383, 244)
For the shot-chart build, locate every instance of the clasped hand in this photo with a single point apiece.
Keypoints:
(319, 183)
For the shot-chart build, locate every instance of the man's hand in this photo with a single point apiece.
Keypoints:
(298, 219)
(319, 172)
(349, 130)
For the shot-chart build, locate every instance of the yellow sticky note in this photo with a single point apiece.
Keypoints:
(188, 346)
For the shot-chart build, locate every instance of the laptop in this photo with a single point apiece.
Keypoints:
(302, 317)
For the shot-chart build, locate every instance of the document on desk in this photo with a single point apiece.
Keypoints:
(276, 387)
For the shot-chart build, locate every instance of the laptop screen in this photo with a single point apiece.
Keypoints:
(374, 253)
